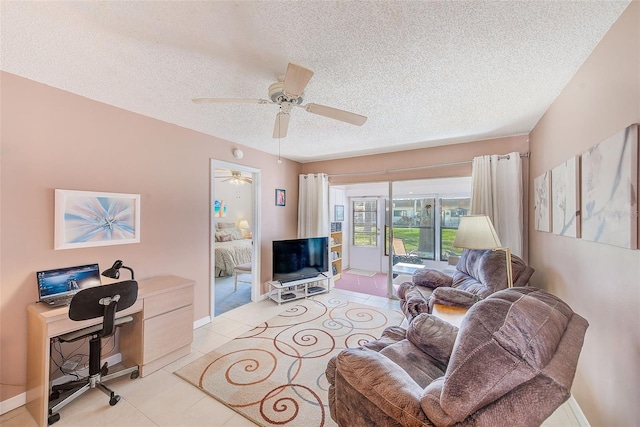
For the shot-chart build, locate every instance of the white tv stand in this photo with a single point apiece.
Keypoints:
(291, 291)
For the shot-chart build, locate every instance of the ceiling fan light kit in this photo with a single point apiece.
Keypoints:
(288, 92)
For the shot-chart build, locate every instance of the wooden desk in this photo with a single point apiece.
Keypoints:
(162, 332)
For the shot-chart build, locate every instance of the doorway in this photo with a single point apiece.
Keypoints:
(235, 219)
(394, 228)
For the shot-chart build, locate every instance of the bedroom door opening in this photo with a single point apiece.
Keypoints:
(235, 220)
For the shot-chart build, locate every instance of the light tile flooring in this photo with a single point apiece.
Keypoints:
(163, 399)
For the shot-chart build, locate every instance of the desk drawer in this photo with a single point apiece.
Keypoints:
(166, 333)
(162, 303)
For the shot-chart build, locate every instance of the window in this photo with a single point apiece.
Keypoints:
(451, 209)
(365, 223)
(414, 223)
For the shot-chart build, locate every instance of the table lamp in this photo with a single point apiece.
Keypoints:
(477, 232)
(244, 226)
(114, 271)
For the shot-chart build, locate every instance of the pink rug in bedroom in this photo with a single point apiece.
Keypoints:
(375, 285)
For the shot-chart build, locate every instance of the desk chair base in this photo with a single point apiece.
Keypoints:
(82, 386)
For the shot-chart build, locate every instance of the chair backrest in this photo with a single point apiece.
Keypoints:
(525, 345)
(103, 301)
(398, 247)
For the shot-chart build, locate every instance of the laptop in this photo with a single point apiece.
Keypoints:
(57, 287)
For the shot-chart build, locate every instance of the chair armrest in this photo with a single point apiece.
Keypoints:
(433, 336)
(452, 297)
(381, 382)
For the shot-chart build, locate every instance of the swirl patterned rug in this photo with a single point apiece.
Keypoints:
(274, 374)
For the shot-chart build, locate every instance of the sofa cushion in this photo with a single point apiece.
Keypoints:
(421, 367)
(431, 278)
(434, 336)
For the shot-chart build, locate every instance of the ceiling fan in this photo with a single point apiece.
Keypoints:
(236, 178)
(288, 92)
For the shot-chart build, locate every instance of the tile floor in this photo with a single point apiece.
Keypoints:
(163, 399)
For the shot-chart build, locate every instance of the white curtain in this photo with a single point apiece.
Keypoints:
(313, 205)
(497, 192)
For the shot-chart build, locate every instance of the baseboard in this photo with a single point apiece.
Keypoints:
(577, 412)
(201, 322)
(13, 403)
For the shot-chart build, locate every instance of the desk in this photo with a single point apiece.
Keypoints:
(161, 332)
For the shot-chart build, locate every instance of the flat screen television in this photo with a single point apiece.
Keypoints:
(298, 259)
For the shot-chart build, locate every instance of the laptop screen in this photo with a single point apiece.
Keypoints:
(67, 280)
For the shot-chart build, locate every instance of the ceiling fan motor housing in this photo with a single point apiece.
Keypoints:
(278, 96)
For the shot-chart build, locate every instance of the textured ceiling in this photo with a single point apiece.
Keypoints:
(424, 73)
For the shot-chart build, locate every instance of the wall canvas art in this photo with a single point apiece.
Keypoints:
(219, 208)
(565, 198)
(542, 202)
(85, 219)
(610, 190)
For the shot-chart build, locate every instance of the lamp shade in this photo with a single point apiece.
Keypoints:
(243, 224)
(476, 232)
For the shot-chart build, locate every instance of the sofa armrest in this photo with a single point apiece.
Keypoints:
(380, 385)
(452, 297)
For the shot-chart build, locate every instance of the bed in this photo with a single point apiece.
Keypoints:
(231, 249)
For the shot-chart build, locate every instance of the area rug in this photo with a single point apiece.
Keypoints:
(374, 285)
(357, 272)
(274, 374)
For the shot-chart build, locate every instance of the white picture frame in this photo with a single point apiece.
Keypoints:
(542, 206)
(86, 219)
(565, 198)
(610, 190)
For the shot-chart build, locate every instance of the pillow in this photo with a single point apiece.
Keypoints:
(235, 233)
(223, 236)
(431, 278)
(224, 225)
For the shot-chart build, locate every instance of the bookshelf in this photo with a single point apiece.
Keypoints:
(336, 250)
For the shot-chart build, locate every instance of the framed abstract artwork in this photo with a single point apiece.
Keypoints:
(281, 198)
(86, 219)
(219, 208)
(610, 190)
(542, 201)
(565, 198)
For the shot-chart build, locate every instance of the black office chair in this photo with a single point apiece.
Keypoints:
(100, 301)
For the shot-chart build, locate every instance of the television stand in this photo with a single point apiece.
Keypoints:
(297, 289)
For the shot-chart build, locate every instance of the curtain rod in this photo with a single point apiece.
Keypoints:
(388, 171)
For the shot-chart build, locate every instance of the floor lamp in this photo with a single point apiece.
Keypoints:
(477, 232)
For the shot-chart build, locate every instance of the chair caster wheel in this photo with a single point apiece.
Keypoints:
(54, 395)
(115, 399)
(134, 375)
(53, 418)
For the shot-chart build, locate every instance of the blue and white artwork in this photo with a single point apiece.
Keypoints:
(565, 197)
(610, 190)
(542, 202)
(85, 219)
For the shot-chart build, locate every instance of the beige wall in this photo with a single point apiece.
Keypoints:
(600, 282)
(53, 139)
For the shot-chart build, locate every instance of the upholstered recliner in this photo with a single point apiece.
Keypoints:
(511, 363)
(478, 274)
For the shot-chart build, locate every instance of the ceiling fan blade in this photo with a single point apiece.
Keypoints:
(230, 101)
(334, 113)
(282, 125)
(296, 80)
